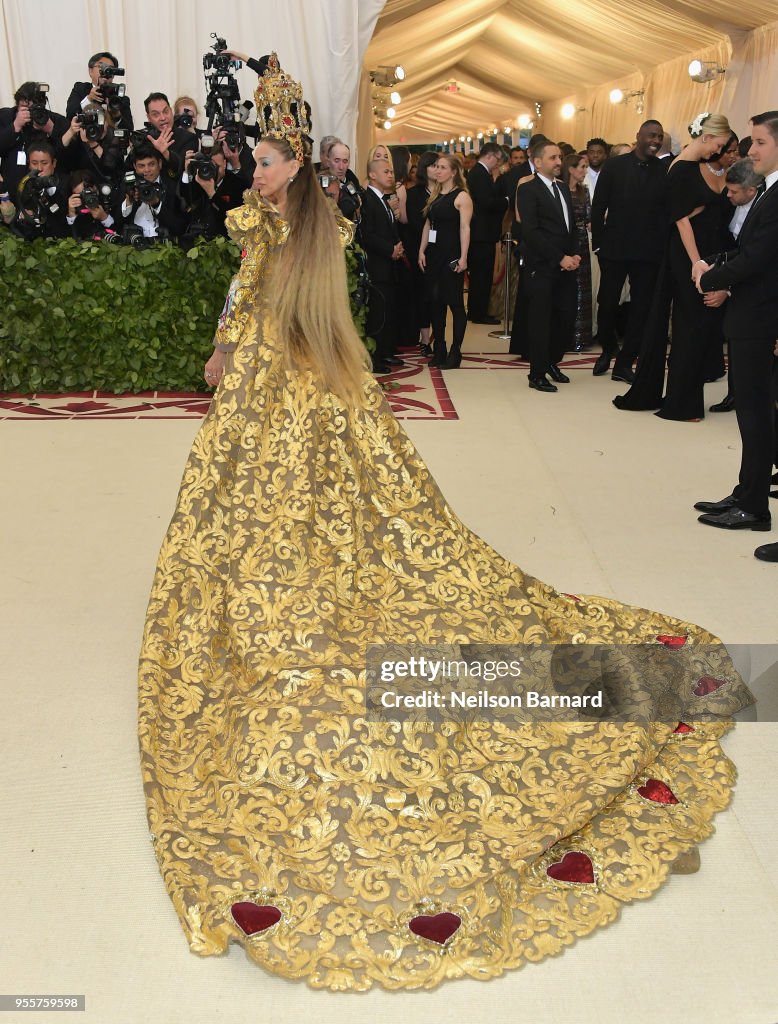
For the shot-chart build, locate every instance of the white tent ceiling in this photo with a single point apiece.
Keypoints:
(506, 55)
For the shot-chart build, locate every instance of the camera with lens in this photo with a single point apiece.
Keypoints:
(138, 137)
(132, 235)
(325, 180)
(207, 143)
(234, 135)
(93, 123)
(109, 71)
(147, 191)
(37, 193)
(221, 63)
(39, 111)
(183, 121)
(93, 196)
(202, 165)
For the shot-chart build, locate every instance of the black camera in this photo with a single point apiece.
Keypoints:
(202, 165)
(133, 235)
(93, 123)
(147, 191)
(234, 135)
(138, 137)
(122, 136)
(207, 143)
(183, 121)
(93, 196)
(37, 193)
(109, 71)
(221, 63)
(112, 91)
(39, 111)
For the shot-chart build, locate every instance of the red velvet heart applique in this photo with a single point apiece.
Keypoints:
(671, 641)
(658, 792)
(683, 727)
(252, 918)
(437, 927)
(707, 684)
(573, 867)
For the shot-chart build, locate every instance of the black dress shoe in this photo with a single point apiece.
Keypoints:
(716, 506)
(381, 367)
(727, 404)
(774, 494)
(438, 360)
(623, 373)
(767, 552)
(602, 365)
(454, 360)
(493, 321)
(736, 519)
(774, 478)
(394, 361)
(541, 384)
(556, 374)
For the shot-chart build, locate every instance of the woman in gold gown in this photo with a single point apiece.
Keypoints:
(342, 850)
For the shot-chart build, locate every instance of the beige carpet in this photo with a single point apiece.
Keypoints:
(591, 499)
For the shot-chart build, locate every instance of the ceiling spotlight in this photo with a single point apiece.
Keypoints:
(399, 72)
(705, 70)
(568, 111)
(391, 112)
(387, 125)
(461, 138)
(616, 96)
(480, 135)
(470, 138)
(523, 121)
(638, 95)
(396, 97)
(386, 77)
(506, 131)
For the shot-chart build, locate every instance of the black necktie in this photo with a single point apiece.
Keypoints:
(558, 197)
(389, 210)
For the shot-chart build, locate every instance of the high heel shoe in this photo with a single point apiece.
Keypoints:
(438, 361)
(454, 360)
(426, 350)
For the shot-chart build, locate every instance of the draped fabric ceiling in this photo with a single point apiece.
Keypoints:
(506, 55)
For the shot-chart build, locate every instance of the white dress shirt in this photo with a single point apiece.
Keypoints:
(741, 212)
(145, 217)
(549, 183)
(380, 194)
(591, 180)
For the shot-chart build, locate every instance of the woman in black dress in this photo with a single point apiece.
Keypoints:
(698, 209)
(443, 257)
(417, 198)
(574, 168)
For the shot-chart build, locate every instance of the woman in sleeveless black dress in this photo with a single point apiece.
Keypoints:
(416, 199)
(443, 258)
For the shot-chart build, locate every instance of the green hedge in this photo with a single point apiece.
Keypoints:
(83, 316)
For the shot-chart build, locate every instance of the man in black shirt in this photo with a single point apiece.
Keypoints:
(629, 234)
(29, 120)
(84, 94)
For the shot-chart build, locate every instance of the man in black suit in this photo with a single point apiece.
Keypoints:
(629, 234)
(489, 206)
(751, 327)
(91, 93)
(380, 239)
(163, 209)
(29, 120)
(171, 142)
(549, 249)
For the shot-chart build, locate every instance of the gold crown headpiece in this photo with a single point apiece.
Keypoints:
(281, 110)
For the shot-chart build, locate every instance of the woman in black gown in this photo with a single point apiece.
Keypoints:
(416, 199)
(443, 257)
(574, 168)
(698, 209)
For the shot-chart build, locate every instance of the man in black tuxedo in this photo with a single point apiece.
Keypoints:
(171, 143)
(380, 239)
(751, 327)
(629, 233)
(29, 120)
(489, 206)
(549, 249)
(164, 208)
(87, 94)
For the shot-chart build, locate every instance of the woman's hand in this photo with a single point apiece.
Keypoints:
(462, 265)
(422, 260)
(214, 369)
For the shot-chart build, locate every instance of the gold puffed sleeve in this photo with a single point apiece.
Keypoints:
(346, 229)
(256, 226)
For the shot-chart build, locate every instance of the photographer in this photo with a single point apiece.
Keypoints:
(350, 194)
(43, 196)
(102, 91)
(152, 208)
(91, 144)
(87, 216)
(186, 113)
(170, 141)
(7, 208)
(211, 186)
(29, 119)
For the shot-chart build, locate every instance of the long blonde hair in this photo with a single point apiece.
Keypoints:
(311, 300)
(459, 179)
